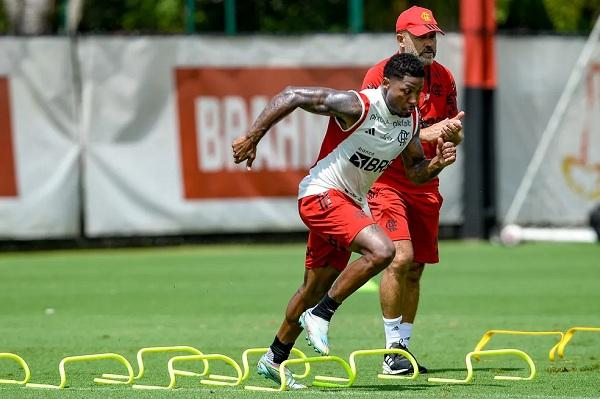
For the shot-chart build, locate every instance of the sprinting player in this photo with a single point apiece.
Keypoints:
(408, 212)
(366, 132)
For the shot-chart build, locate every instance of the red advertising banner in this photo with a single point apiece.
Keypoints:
(216, 105)
(8, 181)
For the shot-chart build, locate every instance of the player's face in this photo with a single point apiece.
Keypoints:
(424, 47)
(402, 95)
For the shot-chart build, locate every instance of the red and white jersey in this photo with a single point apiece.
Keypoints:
(437, 102)
(352, 159)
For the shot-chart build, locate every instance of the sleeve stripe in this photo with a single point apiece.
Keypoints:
(365, 110)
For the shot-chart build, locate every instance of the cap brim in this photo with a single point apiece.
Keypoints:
(420, 30)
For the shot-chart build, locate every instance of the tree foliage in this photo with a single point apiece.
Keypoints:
(133, 16)
(306, 16)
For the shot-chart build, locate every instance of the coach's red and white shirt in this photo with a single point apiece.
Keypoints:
(352, 159)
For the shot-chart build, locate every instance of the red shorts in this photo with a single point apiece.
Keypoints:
(333, 220)
(409, 216)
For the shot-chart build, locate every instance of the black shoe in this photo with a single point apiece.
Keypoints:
(396, 364)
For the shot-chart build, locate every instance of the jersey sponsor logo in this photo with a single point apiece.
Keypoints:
(325, 201)
(370, 131)
(388, 137)
(391, 225)
(405, 122)
(351, 194)
(403, 137)
(391, 136)
(371, 195)
(436, 89)
(369, 163)
(379, 118)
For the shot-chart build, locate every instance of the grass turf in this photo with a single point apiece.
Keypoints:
(224, 299)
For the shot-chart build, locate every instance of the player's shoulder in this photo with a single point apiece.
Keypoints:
(371, 95)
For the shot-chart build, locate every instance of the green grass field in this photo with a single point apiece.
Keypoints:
(224, 299)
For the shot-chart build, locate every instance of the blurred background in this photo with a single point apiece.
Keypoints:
(116, 117)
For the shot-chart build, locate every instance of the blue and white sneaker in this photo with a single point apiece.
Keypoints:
(270, 370)
(316, 331)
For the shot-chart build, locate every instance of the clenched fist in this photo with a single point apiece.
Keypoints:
(446, 152)
(244, 149)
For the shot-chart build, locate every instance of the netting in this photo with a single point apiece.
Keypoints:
(562, 182)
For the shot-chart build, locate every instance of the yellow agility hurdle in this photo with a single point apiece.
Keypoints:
(23, 365)
(213, 379)
(492, 352)
(370, 352)
(322, 383)
(260, 351)
(569, 335)
(86, 358)
(488, 335)
(156, 349)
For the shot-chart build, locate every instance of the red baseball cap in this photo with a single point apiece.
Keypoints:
(418, 21)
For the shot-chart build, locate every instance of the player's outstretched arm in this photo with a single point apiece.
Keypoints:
(420, 170)
(344, 105)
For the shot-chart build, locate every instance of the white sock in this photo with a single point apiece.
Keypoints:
(405, 333)
(392, 328)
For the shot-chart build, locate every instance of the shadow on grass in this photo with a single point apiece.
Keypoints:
(475, 369)
(416, 387)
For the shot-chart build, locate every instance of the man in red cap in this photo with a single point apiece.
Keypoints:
(409, 213)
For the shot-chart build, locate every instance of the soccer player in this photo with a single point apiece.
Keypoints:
(366, 132)
(408, 212)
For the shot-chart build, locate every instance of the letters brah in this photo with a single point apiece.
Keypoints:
(216, 105)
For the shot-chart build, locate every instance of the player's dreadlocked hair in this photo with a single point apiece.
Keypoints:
(403, 64)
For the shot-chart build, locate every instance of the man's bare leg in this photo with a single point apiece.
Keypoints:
(315, 285)
(378, 251)
(393, 281)
(399, 297)
(412, 292)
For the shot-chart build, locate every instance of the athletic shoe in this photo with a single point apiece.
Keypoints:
(270, 370)
(396, 364)
(316, 331)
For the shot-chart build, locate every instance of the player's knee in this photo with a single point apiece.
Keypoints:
(402, 262)
(414, 272)
(383, 254)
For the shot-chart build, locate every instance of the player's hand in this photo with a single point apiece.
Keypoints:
(446, 152)
(451, 130)
(244, 149)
